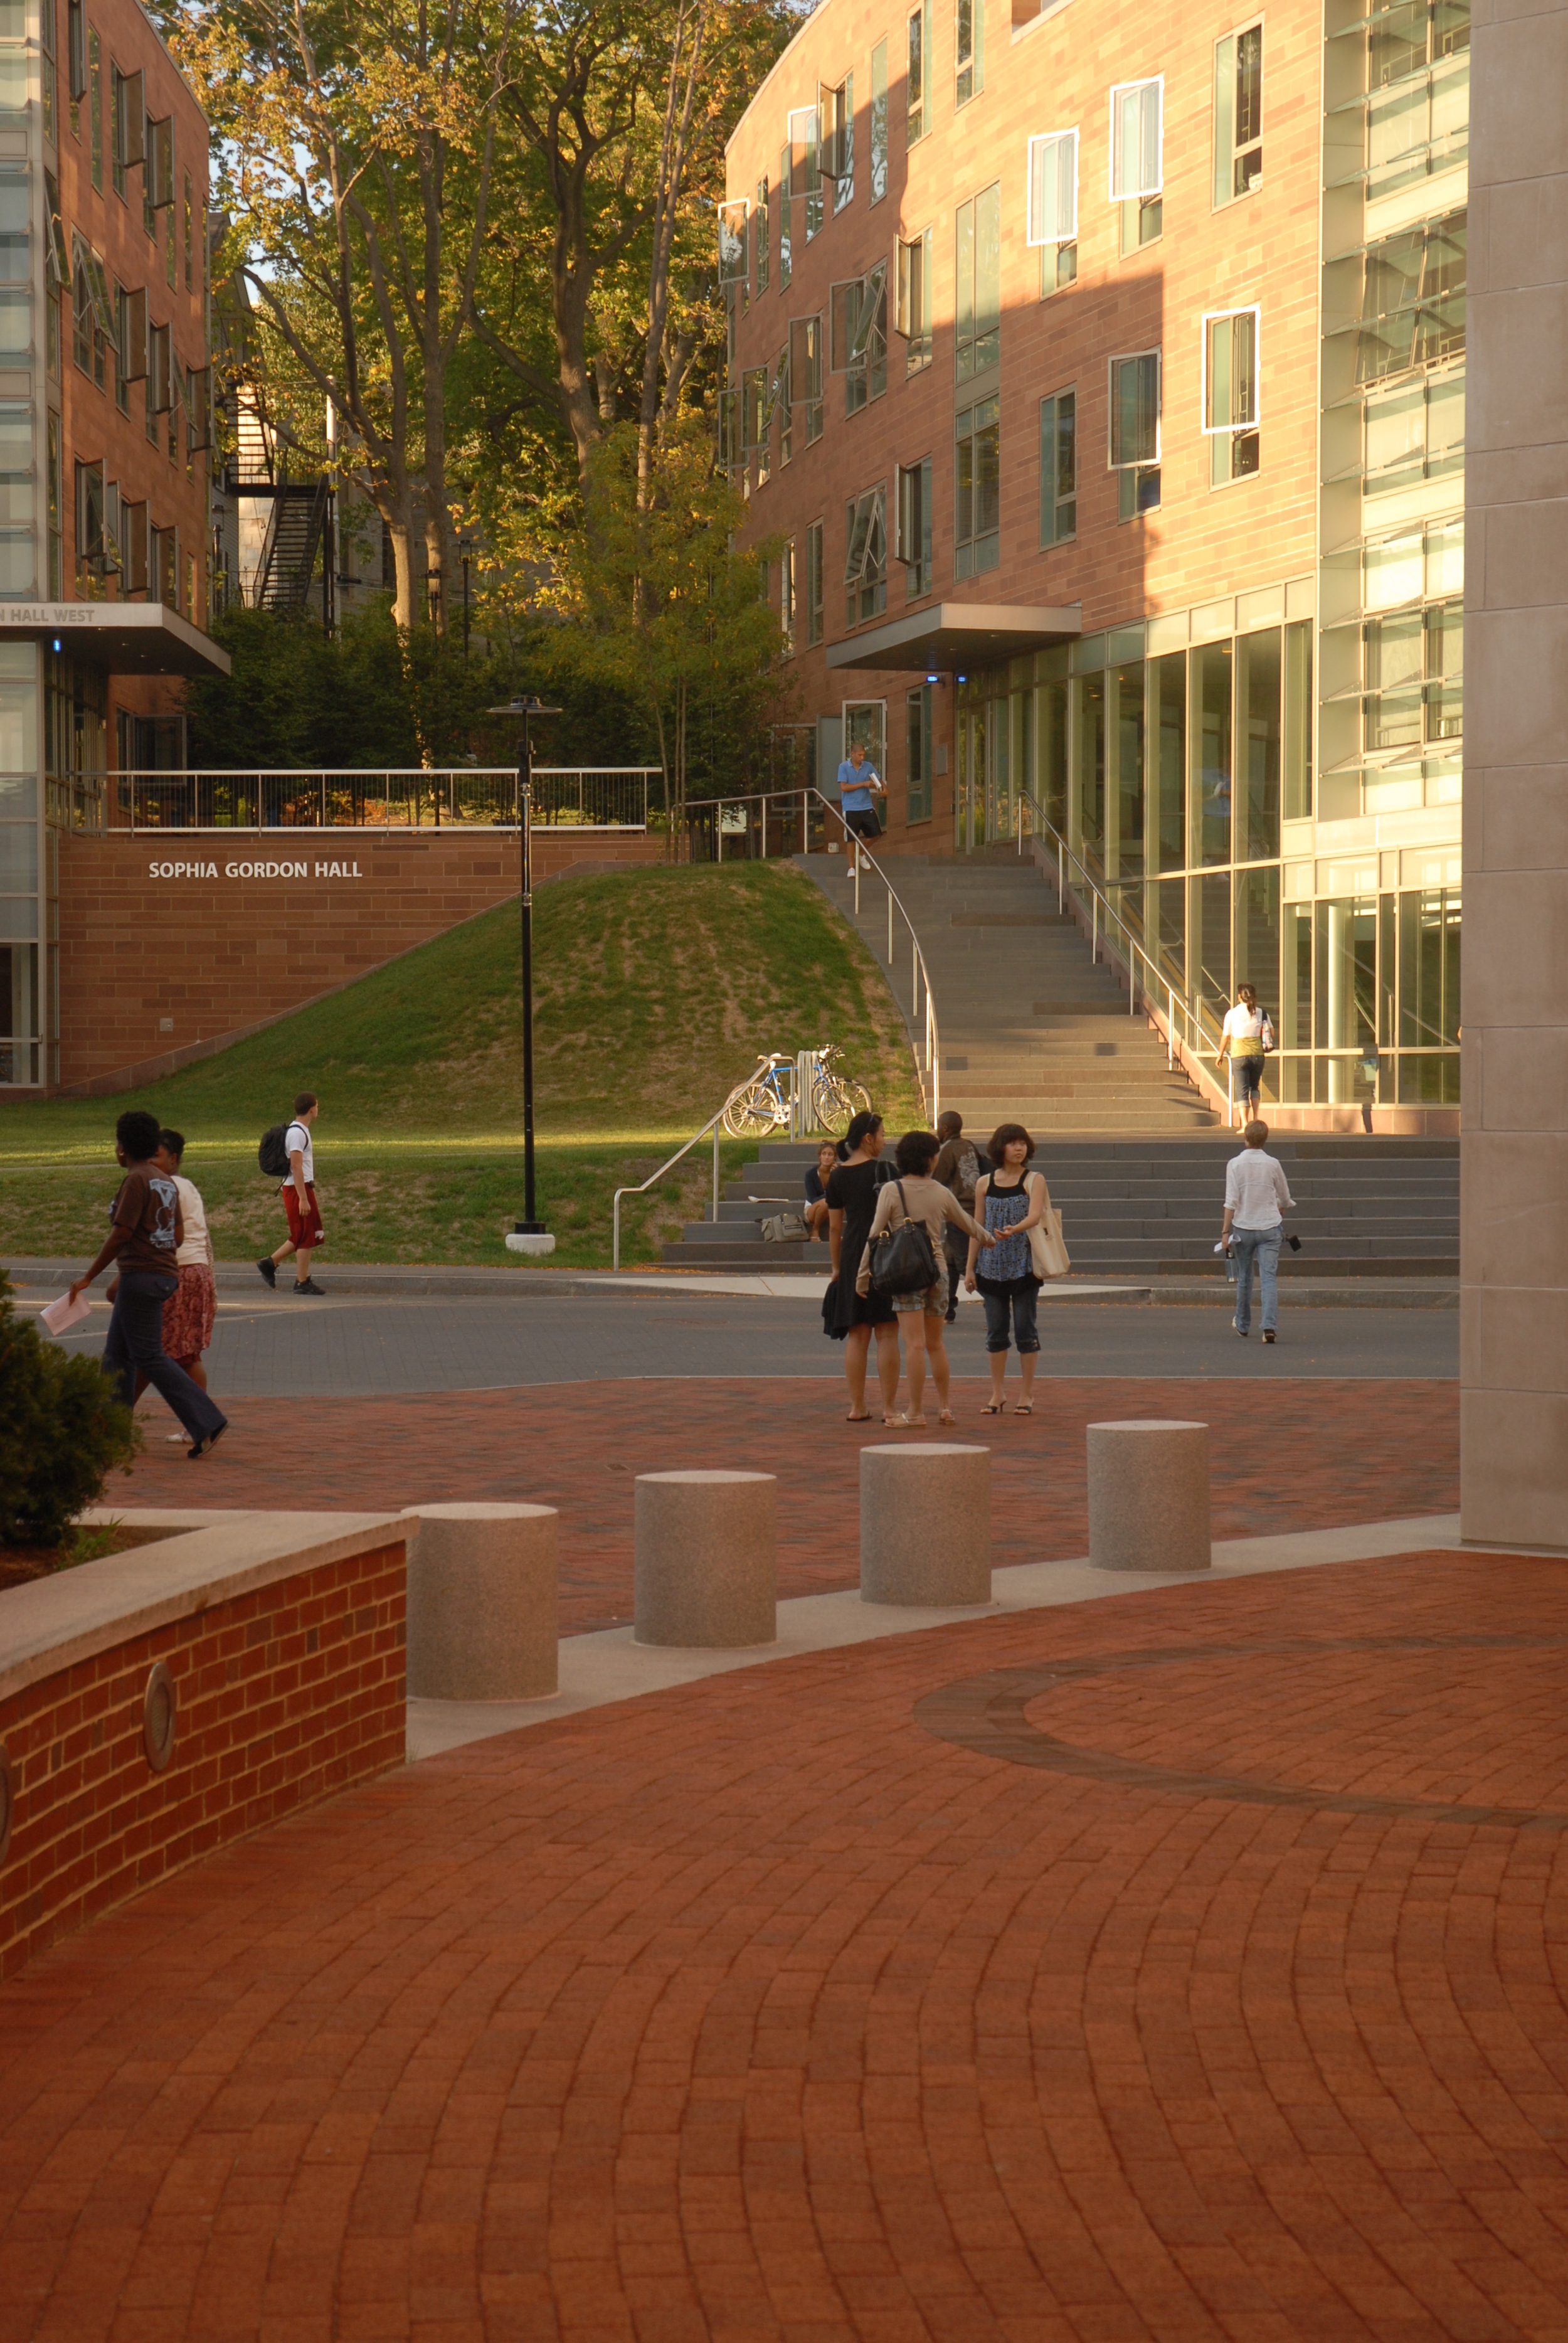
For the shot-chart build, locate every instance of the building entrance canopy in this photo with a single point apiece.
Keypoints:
(122, 637)
(953, 637)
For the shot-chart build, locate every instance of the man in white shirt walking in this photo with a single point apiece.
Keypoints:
(1256, 1196)
(298, 1201)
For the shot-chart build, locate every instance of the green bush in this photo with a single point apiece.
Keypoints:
(62, 1432)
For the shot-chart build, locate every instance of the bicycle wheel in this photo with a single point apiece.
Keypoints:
(752, 1113)
(832, 1109)
(859, 1100)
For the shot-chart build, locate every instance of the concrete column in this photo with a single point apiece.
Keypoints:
(482, 1623)
(925, 1525)
(705, 1562)
(1148, 1496)
(1514, 1148)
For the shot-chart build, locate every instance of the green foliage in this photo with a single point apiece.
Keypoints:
(62, 1432)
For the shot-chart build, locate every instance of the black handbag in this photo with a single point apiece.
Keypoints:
(902, 1259)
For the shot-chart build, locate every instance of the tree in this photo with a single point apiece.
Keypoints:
(356, 151)
(62, 1432)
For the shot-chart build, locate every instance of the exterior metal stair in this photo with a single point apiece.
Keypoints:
(293, 540)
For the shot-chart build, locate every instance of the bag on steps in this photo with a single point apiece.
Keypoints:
(784, 1228)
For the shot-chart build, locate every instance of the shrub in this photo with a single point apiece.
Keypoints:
(62, 1432)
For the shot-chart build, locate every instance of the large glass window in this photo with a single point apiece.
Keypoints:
(1209, 945)
(1051, 752)
(866, 556)
(1210, 761)
(1257, 708)
(879, 122)
(1169, 716)
(814, 582)
(913, 542)
(1134, 437)
(978, 294)
(912, 306)
(919, 50)
(1298, 679)
(1232, 359)
(1059, 468)
(1238, 114)
(918, 753)
(1090, 796)
(858, 338)
(977, 489)
(16, 463)
(1256, 944)
(1412, 299)
(1128, 721)
(968, 60)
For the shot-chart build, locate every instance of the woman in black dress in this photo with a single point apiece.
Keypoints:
(851, 1318)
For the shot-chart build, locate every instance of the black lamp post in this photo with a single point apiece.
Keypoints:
(466, 548)
(530, 1235)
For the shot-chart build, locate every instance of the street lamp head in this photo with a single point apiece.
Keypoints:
(526, 706)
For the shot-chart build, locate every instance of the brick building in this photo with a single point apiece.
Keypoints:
(1102, 370)
(105, 408)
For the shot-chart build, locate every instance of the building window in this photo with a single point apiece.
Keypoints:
(866, 556)
(858, 336)
(814, 582)
(1414, 677)
(1412, 299)
(805, 372)
(919, 51)
(1142, 222)
(190, 270)
(1413, 433)
(787, 596)
(804, 168)
(785, 256)
(1053, 207)
(1232, 359)
(970, 51)
(977, 489)
(879, 122)
(835, 130)
(90, 516)
(56, 517)
(1135, 431)
(913, 309)
(119, 129)
(978, 296)
(16, 267)
(1137, 139)
(1238, 114)
(1059, 468)
(760, 256)
(918, 753)
(47, 77)
(76, 58)
(913, 527)
(96, 327)
(95, 107)
(17, 498)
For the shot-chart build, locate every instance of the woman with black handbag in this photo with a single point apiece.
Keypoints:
(847, 1316)
(907, 1260)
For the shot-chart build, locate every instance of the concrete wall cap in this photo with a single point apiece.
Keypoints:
(706, 1478)
(52, 1623)
(1150, 1423)
(475, 1513)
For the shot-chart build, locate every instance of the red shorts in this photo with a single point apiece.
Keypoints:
(304, 1228)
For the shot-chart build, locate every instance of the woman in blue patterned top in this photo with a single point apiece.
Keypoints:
(1010, 1201)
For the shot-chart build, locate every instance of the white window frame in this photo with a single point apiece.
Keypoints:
(857, 313)
(1253, 309)
(806, 140)
(732, 239)
(1038, 166)
(1223, 202)
(1129, 194)
(1134, 463)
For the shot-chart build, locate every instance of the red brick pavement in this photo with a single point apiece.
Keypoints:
(758, 2012)
(1297, 1455)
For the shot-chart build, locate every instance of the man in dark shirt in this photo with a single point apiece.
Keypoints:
(144, 1233)
(958, 1167)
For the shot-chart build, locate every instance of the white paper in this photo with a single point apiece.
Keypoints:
(61, 1315)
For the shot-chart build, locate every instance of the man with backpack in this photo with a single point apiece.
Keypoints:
(959, 1166)
(286, 1153)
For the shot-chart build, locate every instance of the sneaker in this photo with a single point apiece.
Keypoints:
(1268, 1333)
(207, 1441)
(306, 1285)
(1242, 1331)
(268, 1269)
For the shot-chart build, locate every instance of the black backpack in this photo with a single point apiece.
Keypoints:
(273, 1153)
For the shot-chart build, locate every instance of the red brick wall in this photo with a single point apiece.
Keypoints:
(220, 956)
(285, 1695)
(1203, 542)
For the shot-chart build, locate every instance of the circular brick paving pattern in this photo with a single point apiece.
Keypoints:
(758, 2010)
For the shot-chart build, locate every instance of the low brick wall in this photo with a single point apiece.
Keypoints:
(287, 1674)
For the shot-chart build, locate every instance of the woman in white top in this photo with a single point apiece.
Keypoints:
(188, 1312)
(1244, 1038)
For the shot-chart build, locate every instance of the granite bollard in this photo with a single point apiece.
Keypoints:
(705, 1559)
(925, 1525)
(482, 1620)
(1148, 1496)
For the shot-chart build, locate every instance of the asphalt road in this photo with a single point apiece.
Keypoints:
(370, 1345)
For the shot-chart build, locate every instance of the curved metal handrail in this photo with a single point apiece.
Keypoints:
(919, 972)
(711, 1125)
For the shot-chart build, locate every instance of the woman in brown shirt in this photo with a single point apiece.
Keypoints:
(916, 1196)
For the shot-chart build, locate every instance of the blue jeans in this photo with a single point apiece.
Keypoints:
(135, 1343)
(1261, 1245)
(1024, 1299)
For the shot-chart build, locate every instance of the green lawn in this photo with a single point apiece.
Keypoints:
(655, 991)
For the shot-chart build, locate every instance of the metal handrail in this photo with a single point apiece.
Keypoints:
(919, 972)
(711, 1125)
(1131, 950)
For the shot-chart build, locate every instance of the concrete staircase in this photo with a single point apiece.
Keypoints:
(1367, 1207)
(1031, 1031)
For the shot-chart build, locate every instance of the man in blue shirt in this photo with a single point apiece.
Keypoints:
(857, 780)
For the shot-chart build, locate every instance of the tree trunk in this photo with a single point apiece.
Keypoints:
(675, 143)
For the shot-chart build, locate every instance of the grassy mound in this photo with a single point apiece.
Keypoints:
(655, 991)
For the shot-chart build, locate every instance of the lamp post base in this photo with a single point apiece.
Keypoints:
(529, 1237)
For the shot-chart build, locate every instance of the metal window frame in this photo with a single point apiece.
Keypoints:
(732, 252)
(1128, 357)
(835, 136)
(1253, 309)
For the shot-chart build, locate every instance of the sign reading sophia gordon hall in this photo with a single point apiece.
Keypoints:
(255, 870)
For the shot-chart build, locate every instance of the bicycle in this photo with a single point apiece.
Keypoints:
(762, 1105)
(835, 1102)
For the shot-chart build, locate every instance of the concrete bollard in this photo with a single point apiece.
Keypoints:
(925, 1525)
(1148, 1496)
(482, 1621)
(705, 1569)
